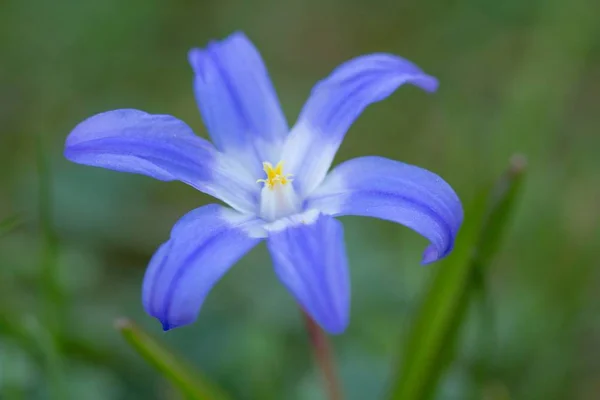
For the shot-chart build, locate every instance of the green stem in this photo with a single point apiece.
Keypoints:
(324, 357)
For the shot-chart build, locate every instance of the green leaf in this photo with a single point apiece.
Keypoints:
(190, 382)
(431, 341)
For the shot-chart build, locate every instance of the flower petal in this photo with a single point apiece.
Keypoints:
(310, 259)
(162, 147)
(204, 244)
(387, 189)
(237, 99)
(333, 106)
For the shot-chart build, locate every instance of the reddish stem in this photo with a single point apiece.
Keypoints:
(324, 357)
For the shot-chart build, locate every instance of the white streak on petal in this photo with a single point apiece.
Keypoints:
(302, 153)
(307, 218)
(254, 228)
(233, 170)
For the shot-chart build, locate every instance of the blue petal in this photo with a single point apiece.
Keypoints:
(310, 259)
(333, 106)
(391, 190)
(237, 100)
(204, 244)
(163, 147)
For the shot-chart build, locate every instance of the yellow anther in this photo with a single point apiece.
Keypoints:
(274, 175)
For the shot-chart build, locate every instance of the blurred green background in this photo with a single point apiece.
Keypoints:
(514, 76)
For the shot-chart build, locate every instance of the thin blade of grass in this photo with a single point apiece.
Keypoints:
(190, 382)
(501, 205)
(431, 341)
(53, 301)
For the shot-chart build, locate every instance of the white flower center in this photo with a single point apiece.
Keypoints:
(277, 198)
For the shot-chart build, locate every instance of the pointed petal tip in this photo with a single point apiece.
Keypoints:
(166, 326)
(169, 325)
(427, 83)
(430, 255)
(413, 74)
(237, 35)
(195, 53)
(194, 58)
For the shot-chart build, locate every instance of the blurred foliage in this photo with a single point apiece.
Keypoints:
(515, 77)
(8, 224)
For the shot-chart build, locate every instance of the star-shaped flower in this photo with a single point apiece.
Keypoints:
(274, 178)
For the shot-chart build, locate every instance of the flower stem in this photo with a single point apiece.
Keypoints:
(324, 358)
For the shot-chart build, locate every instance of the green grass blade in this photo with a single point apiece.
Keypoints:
(501, 205)
(191, 383)
(432, 339)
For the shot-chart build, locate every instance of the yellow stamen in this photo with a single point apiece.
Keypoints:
(274, 175)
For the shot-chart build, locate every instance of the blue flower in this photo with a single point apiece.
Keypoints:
(274, 178)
